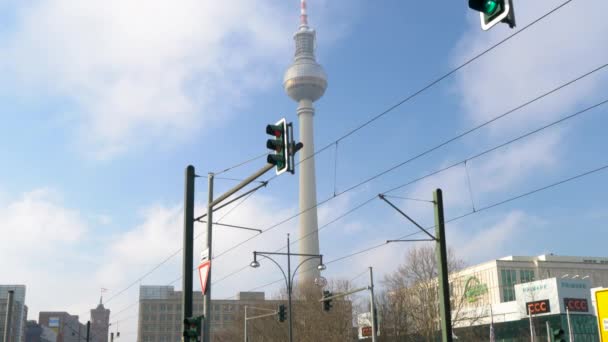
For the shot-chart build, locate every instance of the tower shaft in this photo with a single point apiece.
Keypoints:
(309, 243)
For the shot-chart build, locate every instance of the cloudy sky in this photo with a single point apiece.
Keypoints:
(104, 104)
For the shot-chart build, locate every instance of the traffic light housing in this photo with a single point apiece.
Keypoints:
(281, 314)
(283, 146)
(192, 329)
(492, 12)
(327, 302)
(559, 335)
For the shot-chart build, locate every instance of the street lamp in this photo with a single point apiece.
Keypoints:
(289, 276)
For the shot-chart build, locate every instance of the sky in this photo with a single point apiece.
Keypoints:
(105, 103)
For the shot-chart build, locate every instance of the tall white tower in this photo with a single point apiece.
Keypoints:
(305, 82)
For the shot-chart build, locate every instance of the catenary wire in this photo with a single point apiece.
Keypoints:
(436, 81)
(556, 122)
(376, 117)
(411, 159)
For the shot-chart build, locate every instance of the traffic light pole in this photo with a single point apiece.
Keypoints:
(273, 313)
(211, 204)
(442, 269)
(372, 304)
(207, 302)
(187, 262)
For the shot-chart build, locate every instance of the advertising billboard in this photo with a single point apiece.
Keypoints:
(601, 303)
(553, 296)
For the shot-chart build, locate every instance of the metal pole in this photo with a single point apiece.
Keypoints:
(9, 317)
(570, 332)
(372, 305)
(239, 186)
(531, 328)
(88, 330)
(207, 322)
(245, 333)
(188, 244)
(289, 288)
(548, 331)
(442, 269)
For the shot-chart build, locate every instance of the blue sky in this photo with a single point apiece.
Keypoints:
(105, 104)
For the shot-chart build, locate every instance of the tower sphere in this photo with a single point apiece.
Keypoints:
(305, 78)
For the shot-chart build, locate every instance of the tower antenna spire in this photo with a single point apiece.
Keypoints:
(303, 13)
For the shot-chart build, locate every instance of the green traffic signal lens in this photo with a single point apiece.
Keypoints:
(490, 7)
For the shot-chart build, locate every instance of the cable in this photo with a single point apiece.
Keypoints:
(436, 81)
(245, 162)
(531, 192)
(556, 122)
(394, 167)
(406, 99)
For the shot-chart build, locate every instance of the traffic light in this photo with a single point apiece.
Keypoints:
(283, 146)
(327, 302)
(491, 12)
(279, 145)
(559, 335)
(192, 329)
(281, 313)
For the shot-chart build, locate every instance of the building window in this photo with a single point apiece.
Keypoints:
(526, 276)
(508, 280)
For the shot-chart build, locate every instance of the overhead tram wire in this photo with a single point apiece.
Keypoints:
(164, 261)
(411, 159)
(388, 110)
(505, 201)
(535, 131)
(241, 164)
(434, 82)
(477, 155)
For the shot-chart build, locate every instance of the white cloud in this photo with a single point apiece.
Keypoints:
(138, 73)
(40, 239)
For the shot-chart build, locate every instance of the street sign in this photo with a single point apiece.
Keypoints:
(601, 302)
(204, 255)
(203, 274)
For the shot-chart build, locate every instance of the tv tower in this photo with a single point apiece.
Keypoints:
(305, 82)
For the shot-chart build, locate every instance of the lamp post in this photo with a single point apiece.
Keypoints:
(288, 277)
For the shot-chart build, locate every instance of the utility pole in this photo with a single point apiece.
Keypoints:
(9, 316)
(442, 269)
(372, 304)
(207, 303)
(88, 330)
(188, 244)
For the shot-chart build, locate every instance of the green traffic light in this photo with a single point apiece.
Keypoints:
(490, 7)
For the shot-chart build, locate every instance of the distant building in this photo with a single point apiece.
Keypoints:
(100, 323)
(38, 333)
(160, 312)
(67, 327)
(512, 291)
(19, 317)
(498, 277)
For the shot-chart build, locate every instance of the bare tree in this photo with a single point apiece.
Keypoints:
(409, 305)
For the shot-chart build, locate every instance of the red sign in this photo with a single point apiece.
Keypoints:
(203, 274)
(538, 307)
(366, 331)
(576, 304)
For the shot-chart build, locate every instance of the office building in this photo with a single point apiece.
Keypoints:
(19, 311)
(160, 312)
(67, 327)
